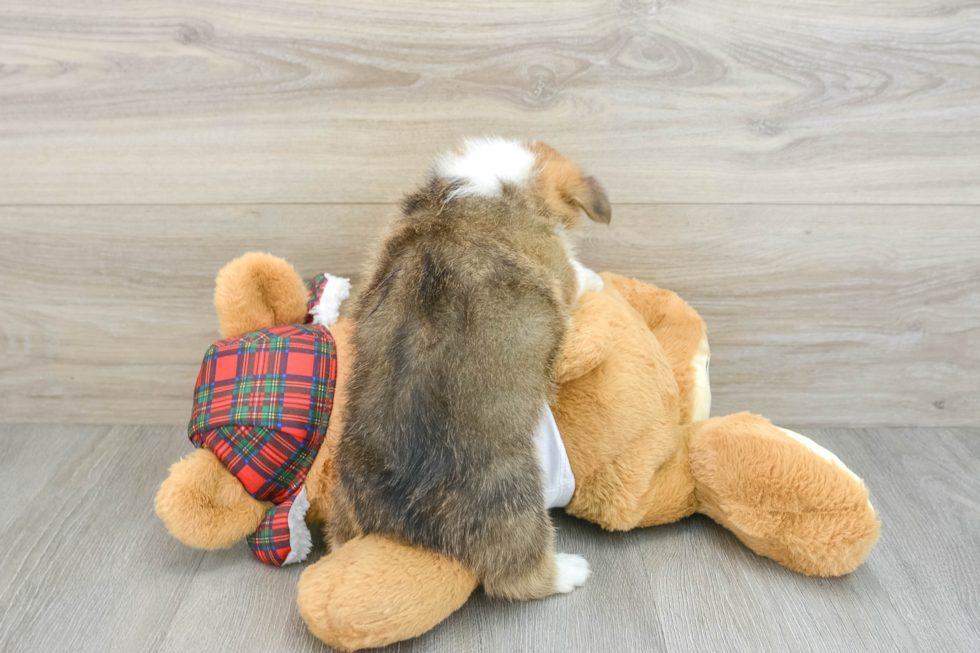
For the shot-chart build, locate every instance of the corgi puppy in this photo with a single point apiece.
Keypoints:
(456, 335)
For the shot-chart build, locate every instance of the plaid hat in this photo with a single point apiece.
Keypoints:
(262, 404)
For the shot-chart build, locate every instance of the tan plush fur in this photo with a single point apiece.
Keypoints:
(204, 506)
(322, 477)
(782, 501)
(676, 326)
(606, 416)
(258, 291)
(623, 409)
(347, 597)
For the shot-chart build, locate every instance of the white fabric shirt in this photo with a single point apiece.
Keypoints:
(556, 472)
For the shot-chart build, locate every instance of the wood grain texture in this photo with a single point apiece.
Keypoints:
(213, 101)
(87, 567)
(816, 314)
(806, 174)
(107, 311)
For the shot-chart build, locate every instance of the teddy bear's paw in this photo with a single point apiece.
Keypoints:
(573, 571)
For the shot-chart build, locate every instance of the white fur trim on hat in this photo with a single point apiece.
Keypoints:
(327, 310)
(300, 539)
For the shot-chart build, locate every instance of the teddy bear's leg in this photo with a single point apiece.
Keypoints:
(374, 591)
(203, 505)
(782, 495)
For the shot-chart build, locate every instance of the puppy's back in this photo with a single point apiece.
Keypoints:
(455, 338)
(455, 341)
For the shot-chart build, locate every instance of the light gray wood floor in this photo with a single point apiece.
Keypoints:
(85, 565)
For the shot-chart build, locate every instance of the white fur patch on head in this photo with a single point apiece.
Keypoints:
(486, 164)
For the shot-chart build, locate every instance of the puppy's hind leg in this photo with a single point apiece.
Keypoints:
(571, 571)
(555, 573)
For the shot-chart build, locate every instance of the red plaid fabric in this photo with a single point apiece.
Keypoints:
(262, 404)
(272, 541)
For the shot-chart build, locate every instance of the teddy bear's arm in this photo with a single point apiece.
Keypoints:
(588, 343)
(203, 505)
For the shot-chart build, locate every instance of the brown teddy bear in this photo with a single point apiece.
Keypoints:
(631, 409)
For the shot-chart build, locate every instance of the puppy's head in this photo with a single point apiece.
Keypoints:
(483, 166)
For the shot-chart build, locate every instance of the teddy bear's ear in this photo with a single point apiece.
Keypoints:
(258, 291)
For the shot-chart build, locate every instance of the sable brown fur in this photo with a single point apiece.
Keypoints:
(456, 336)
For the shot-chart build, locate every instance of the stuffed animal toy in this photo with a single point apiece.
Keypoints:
(631, 408)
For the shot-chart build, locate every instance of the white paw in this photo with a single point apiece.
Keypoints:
(573, 571)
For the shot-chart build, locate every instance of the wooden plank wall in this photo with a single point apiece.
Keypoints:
(806, 174)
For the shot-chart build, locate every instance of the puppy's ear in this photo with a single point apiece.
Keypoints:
(566, 190)
(591, 198)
